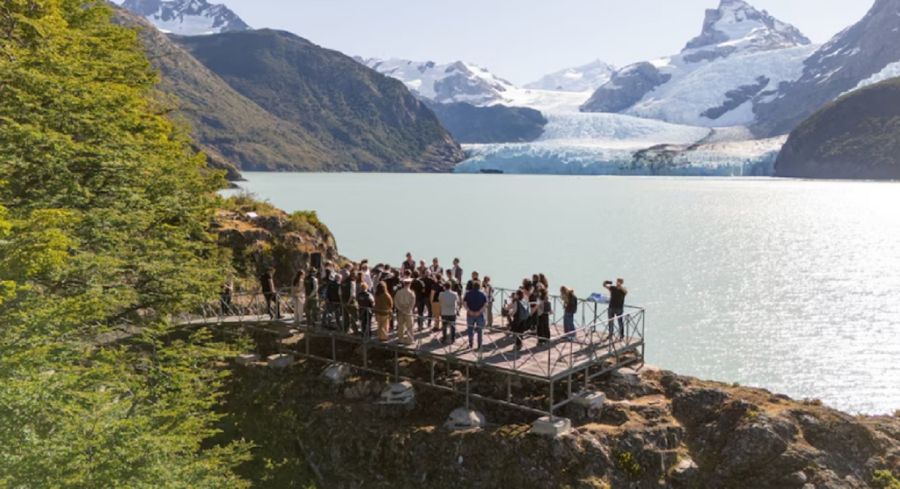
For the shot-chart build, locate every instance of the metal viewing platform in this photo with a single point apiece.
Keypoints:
(572, 360)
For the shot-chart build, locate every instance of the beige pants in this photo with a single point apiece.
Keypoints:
(436, 315)
(383, 321)
(405, 328)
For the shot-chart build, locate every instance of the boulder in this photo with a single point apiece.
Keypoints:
(280, 361)
(462, 419)
(337, 373)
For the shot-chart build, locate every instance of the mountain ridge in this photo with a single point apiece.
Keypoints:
(187, 17)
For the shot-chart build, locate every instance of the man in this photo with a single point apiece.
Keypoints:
(405, 303)
(616, 310)
(449, 303)
(311, 289)
(348, 303)
(419, 289)
(410, 264)
(435, 267)
(457, 271)
(470, 284)
(476, 302)
(267, 282)
(331, 316)
(520, 313)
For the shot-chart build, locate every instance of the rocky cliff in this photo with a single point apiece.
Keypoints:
(660, 430)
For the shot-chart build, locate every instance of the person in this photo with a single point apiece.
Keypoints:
(405, 303)
(419, 289)
(471, 282)
(311, 289)
(437, 286)
(349, 307)
(476, 303)
(457, 271)
(521, 313)
(543, 310)
(542, 279)
(436, 267)
(488, 290)
(225, 298)
(422, 268)
(297, 295)
(331, 316)
(366, 304)
(267, 282)
(616, 309)
(449, 304)
(570, 307)
(409, 264)
(384, 309)
(366, 274)
(454, 284)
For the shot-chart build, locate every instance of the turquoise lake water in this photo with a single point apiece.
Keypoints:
(784, 284)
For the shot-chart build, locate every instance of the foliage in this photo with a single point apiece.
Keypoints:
(884, 479)
(628, 464)
(104, 224)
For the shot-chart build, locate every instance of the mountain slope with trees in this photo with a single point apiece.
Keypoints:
(365, 121)
(857, 136)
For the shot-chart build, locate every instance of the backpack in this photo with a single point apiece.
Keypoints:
(522, 311)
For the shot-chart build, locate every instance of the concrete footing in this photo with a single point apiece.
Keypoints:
(246, 359)
(399, 396)
(462, 419)
(337, 373)
(280, 361)
(551, 427)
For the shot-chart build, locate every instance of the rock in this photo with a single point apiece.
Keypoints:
(697, 406)
(363, 390)
(590, 399)
(628, 376)
(552, 428)
(246, 359)
(337, 373)
(685, 470)
(280, 361)
(751, 447)
(462, 419)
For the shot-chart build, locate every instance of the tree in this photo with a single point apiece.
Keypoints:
(104, 223)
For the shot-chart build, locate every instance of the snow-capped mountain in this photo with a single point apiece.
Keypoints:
(740, 53)
(445, 83)
(578, 79)
(867, 52)
(187, 17)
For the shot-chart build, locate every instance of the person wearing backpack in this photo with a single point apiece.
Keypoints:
(348, 303)
(570, 304)
(520, 318)
(331, 316)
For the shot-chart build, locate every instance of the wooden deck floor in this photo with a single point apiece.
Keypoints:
(557, 358)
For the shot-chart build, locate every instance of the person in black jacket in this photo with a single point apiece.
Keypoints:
(267, 283)
(521, 312)
(331, 316)
(616, 310)
(366, 303)
(544, 308)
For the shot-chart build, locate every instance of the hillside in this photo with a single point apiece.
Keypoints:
(493, 124)
(364, 121)
(857, 136)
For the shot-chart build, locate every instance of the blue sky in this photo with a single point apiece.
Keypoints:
(522, 39)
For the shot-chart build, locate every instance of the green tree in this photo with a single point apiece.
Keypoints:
(104, 219)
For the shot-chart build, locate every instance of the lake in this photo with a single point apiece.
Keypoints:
(784, 284)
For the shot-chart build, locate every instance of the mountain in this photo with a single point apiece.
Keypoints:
(187, 17)
(857, 136)
(858, 53)
(495, 124)
(740, 53)
(578, 79)
(445, 83)
(362, 120)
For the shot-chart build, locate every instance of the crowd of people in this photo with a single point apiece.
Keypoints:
(418, 296)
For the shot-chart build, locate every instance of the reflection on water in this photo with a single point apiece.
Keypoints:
(789, 285)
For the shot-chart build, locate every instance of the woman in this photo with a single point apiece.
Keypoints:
(437, 286)
(543, 310)
(384, 308)
(297, 295)
(570, 304)
(489, 292)
(366, 304)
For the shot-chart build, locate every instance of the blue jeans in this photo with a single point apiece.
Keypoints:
(471, 329)
(569, 325)
(449, 322)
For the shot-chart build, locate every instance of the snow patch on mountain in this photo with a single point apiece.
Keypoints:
(578, 79)
(892, 70)
(445, 83)
(187, 17)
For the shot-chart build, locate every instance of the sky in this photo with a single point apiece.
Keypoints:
(522, 40)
